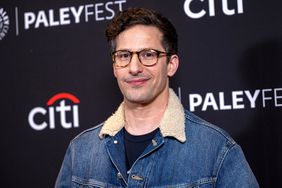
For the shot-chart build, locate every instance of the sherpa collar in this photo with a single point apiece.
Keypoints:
(172, 123)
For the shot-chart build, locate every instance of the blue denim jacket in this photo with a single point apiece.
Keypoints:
(196, 154)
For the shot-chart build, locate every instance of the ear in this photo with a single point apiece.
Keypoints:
(172, 65)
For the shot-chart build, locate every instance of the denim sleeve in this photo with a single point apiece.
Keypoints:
(65, 174)
(235, 171)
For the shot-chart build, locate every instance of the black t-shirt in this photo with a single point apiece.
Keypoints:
(135, 145)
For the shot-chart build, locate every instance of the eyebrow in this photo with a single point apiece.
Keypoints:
(138, 49)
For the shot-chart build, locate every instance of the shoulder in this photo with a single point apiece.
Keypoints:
(213, 146)
(88, 136)
(209, 142)
(197, 128)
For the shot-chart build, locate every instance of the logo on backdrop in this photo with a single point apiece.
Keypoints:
(67, 15)
(61, 111)
(197, 8)
(4, 23)
(234, 100)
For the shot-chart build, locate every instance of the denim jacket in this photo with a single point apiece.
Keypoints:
(187, 152)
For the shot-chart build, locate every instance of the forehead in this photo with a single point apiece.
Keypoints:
(140, 37)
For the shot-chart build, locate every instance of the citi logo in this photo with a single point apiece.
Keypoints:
(227, 7)
(56, 111)
(4, 23)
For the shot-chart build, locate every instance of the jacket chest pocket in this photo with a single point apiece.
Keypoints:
(201, 183)
(190, 186)
(89, 183)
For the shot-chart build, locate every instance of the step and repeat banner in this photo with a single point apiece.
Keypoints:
(57, 79)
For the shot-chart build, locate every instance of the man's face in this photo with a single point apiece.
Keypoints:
(138, 83)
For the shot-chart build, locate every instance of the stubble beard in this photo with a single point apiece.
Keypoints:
(138, 95)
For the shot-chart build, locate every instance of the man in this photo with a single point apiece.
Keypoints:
(151, 141)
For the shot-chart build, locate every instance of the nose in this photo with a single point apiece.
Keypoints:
(135, 66)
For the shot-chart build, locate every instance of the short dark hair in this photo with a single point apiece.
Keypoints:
(134, 16)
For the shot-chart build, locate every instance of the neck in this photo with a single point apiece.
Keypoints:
(144, 118)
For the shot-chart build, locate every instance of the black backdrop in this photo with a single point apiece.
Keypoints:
(230, 74)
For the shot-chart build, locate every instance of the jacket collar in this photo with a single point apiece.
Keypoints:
(172, 123)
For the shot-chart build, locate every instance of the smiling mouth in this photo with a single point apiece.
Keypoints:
(137, 82)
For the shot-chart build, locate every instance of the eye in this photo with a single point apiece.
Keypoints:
(148, 54)
(122, 55)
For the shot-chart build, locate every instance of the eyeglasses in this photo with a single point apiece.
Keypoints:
(147, 57)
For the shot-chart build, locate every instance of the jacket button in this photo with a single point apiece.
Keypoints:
(115, 141)
(135, 177)
(154, 142)
(119, 175)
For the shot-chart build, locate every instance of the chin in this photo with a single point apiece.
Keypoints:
(141, 99)
(136, 99)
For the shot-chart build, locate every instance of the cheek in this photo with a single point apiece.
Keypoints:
(118, 73)
(161, 75)
(114, 71)
(164, 71)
